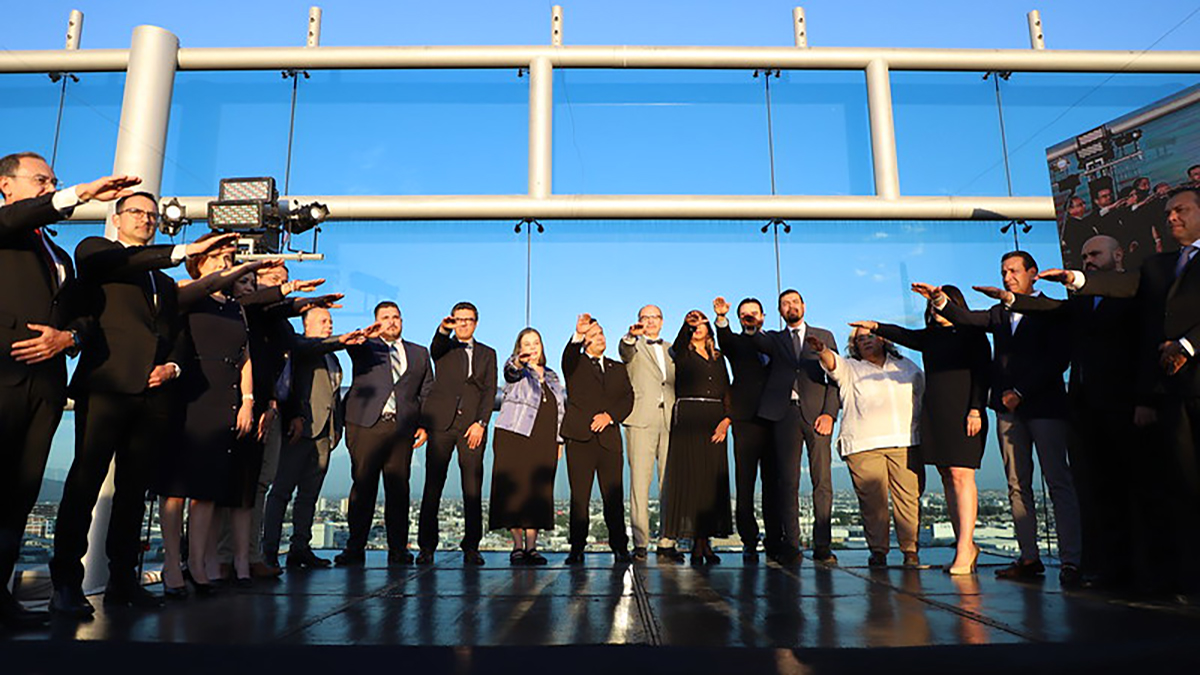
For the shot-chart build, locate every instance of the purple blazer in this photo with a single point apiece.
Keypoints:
(523, 396)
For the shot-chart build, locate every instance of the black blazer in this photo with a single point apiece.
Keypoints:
(373, 385)
(31, 293)
(1103, 345)
(272, 338)
(1169, 308)
(818, 393)
(749, 373)
(455, 394)
(590, 392)
(1032, 362)
(135, 325)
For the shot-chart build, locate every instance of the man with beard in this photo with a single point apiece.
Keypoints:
(752, 443)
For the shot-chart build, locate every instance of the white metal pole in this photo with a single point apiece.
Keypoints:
(883, 130)
(1037, 39)
(314, 27)
(556, 26)
(541, 114)
(74, 29)
(800, 27)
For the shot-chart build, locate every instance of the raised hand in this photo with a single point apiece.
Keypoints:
(814, 343)
(869, 326)
(721, 306)
(996, 293)
(637, 329)
(692, 319)
(107, 188)
(448, 324)
(327, 301)
(1058, 276)
(583, 323)
(927, 291)
(222, 243)
(306, 285)
(354, 337)
(373, 331)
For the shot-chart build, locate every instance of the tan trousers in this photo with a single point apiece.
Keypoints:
(876, 473)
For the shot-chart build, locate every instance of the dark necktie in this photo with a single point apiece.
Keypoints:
(47, 256)
(654, 342)
(1185, 258)
(797, 345)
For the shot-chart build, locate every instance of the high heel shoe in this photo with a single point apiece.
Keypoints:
(711, 558)
(966, 569)
(175, 592)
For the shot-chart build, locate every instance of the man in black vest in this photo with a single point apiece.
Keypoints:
(36, 329)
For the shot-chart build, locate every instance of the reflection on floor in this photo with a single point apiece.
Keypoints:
(791, 616)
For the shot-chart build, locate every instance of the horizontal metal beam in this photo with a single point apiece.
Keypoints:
(653, 207)
(748, 58)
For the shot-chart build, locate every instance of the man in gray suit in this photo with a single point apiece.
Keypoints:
(314, 414)
(652, 373)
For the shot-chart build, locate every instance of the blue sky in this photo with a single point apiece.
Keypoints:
(465, 132)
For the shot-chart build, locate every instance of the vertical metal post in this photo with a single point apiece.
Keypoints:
(883, 130)
(1037, 39)
(800, 27)
(146, 108)
(314, 27)
(74, 29)
(541, 114)
(556, 26)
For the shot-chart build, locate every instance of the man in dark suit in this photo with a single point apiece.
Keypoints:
(801, 403)
(122, 395)
(36, 329)
(392, 379)
(457, 412)
(1101, 403)
(1167, 390)
(752, 443)
(316, 415)
(599, 397)
(1031, 354)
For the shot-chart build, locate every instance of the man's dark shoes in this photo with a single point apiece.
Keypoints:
(131, 596)
(1022, 569)
(261, 570)
(1070, 577)
(822, 555)
(425, 557)
(348, 558)
(788, 556)
(575, 557)
(621, 555)
(70, 601)
(669, 554)
(877, 559)
(15, 617)
(750, 554)
(402, 558)
(472, 557)
(640, 554)
(306, 559)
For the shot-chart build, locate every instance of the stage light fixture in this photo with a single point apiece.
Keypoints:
(306, 217)
(244, 189)
(174, 218)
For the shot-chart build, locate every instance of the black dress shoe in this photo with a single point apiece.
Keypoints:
(131, 596)
(425, 557)
(15, 617)
(824, 556)
(621, 556)
(400, 558)
(348, 558)
(243, 582)
(575, 557)
(877, 559)
(1022, 569)
(472, 557)
(640, 554)
(750, 555)
(305, 558)
(1069, 576)
(175, 593)
(205, 590)
(669, 554)
(70, 601)
(788, 557)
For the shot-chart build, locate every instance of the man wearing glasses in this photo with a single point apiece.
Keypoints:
(652, 372)
(35, 331)
(457, 412)
(121, 390)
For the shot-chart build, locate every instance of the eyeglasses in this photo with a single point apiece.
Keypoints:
(460, 319)
(150, 216)
(647, 317)
(40, 179)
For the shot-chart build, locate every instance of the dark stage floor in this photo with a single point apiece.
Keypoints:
(733, 617)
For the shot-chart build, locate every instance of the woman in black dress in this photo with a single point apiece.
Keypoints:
(696, 481)
(953, 426)
(216, 388)
(526, 448)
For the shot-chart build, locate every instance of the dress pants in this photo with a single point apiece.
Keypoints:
(441, 446)
(1101, 441)
(1179, 418)
(27, 424)
(1018, 438)
(878, 473)
(588, 461)
(647, 445)
(375, 450)
(134, 429)
(752, 448)
(302, 468)
(792, 434)
(272, 443)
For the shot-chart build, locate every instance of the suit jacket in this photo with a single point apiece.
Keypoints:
(316, 396)
(591, 392)
(454, 394)
(1169, 309)
(135, 322)
(749, 373)
(1104, 339)
(31, 293)
(372, 385)
(272, 338)
(1031, 362)
(649, 382)
(818, 393)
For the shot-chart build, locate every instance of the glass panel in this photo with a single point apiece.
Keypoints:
(822, 138)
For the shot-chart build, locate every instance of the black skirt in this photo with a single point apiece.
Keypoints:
(523, 471)
(696, 483)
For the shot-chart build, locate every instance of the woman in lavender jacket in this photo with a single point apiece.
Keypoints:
(527, 448)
